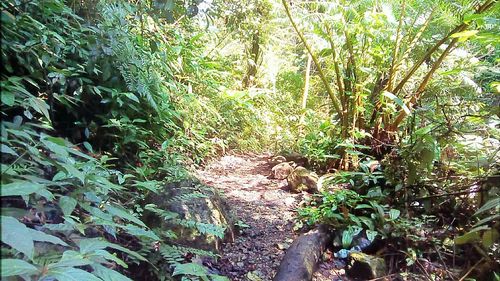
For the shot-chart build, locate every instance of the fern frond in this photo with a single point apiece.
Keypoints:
(203, 228)
(175, 254)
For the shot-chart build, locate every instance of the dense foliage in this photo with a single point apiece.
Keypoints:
(93, 115)
(106, 102)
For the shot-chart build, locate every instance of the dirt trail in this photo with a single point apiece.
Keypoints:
(259, 202)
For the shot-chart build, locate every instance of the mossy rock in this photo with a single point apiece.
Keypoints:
(198, 207)
(364, 267)
(302, 179)
(282, 170)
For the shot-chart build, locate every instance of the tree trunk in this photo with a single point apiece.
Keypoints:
(303, 256)
(252, 62)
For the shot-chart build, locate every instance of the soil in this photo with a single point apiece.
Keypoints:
(266, 214)
(264, 209)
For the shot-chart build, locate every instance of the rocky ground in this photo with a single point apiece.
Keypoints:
(265, 211)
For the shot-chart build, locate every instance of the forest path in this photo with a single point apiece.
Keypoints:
(259, 202)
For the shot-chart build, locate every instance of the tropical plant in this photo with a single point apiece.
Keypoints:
(66, 208)
(371, 69)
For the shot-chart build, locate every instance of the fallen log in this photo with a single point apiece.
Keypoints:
(303, 256)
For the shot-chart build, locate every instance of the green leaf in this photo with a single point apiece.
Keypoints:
(6, 149)
(490, 237)
(112, 257)
(56, 145)
(72, 171)
(40, 236)
(363, 206)
(40, 106)
(94, 244)
(71, 274)
(493, 203)
(137, 231)
(370, 234)
(215, 277)
(487, 219)
(67, 205)
(71, 258)
(149, 185)
(190, 269)
(423, 131)
(132, 97)
(347, 237)
(59, 227)
(397, 100)
(17, 235)
(107, 274)
(325, 52)
(90, 245)
(368, 222)
(124, 214)
(468, 238)
(21, 188)
(8, 98)
(394, 214)
(12, 267)
(379, 209)
(88, 146)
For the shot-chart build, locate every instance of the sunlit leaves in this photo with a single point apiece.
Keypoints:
(397, 100)
(464, 35)
(84, 77)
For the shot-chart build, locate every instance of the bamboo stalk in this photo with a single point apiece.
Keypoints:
(335, 64)
(418, 94)
(398, 63)
(414, 41)
(335, 100)
(306, 90)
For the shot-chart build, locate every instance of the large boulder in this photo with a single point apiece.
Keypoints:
(282, 170)
(364, 267)
(196, 214)
(302, 179)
